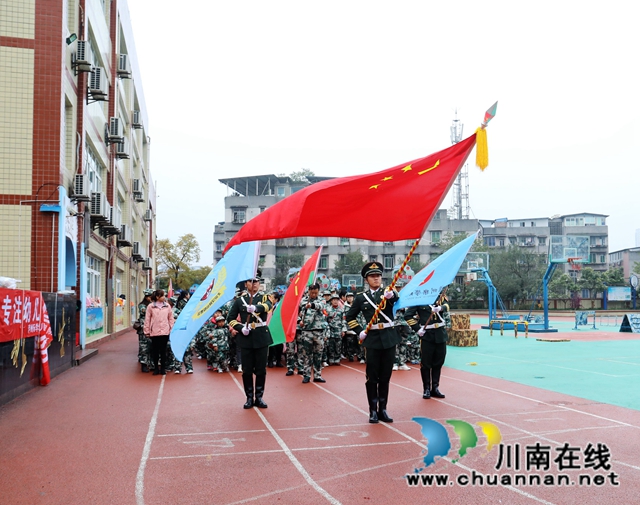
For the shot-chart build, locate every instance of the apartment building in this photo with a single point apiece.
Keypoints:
(625, 259)
(77, 201)
(539, 234)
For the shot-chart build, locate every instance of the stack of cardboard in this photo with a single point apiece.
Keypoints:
(460, 333)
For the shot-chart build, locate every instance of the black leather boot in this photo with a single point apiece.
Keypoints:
(145, 368)
(383, 396)
(260, 379)
(372, 398)
(247, 380)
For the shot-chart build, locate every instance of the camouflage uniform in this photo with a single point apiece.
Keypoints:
(144, 343)
(337, 328)
(234, 351)
(403, 329)
(219, 344)
(293, 359)
(203, 337)
(311, 343)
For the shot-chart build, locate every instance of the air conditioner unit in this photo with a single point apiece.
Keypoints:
(136, 189)
(99, 206)
(148, 264)
(116, 130)
(122, 150)
(124, 66)
(98, 84)
(81, 191)
(81, 61)
(136, 250)
(148, 215)
(125, 237)
(136, 119)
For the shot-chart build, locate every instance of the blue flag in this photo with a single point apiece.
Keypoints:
(239, 264)
(427, 284)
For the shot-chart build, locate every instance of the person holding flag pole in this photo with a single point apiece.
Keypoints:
(381, 338)
(253, 338)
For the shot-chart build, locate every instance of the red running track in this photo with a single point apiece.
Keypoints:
(106, 433)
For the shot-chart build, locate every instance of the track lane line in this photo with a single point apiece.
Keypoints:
(147, 447)
(290, 455)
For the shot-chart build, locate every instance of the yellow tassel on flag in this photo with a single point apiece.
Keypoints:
(482, 150)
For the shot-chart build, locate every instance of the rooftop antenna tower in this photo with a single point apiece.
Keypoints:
(460, 208)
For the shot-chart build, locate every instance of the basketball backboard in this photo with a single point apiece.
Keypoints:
(474, 260)
(564, 247)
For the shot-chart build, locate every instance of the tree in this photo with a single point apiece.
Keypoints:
(350, 263)
(283, 265)
(592, 280)
(614, 277)
(517, 274)
(301, 175)
(193, 276)
(178, 257)
(561, 287)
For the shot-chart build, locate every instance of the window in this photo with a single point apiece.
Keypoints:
(94, 169)
(522, 224)
(435, 237)
(324, 261)
(532, 224)
(512, 241)
(387, 243)
(388, 260)
(602, 258)
(94, 267)
(262, 208)
(280, 191)
(600, 221)
(344, 241)
(490, 241)
(373, 257)
(542, 240)
(500, 242)
(239, 216)
(262, 259)
(219, 247)
(410, 243)
(321, 241)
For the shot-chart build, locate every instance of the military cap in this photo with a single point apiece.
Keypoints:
(335, 296)
(257, 277)
(326, 292)
(148, 292)
(220, 318)
(350, 293)
(371, 268)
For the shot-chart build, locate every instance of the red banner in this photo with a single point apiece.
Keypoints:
(23, 314)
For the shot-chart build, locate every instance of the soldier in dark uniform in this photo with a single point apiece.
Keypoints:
(253, 338)
(379, 343)
(430, 323)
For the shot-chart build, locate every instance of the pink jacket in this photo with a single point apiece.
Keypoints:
(158, 320)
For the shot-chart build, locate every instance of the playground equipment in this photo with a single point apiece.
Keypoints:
(494, 297)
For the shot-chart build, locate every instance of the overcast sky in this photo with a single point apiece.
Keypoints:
(350, 87)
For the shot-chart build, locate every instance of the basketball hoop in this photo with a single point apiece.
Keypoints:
(574, 265)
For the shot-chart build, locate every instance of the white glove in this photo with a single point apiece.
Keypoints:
(388, 294)
(251, 309)
(362, 336)
(421, 332)
(436, 308)
(246, 330)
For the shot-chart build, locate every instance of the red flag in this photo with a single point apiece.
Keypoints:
(284, 319)
(393, 204)
(170, 290)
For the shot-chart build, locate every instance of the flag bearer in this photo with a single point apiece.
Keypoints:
(380, 342)
(253, 338)
(430, 322)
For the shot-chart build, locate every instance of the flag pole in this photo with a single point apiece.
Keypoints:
(482, 160)
(393, 283)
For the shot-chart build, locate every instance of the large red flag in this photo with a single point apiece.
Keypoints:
(284, 320)
(393, 204)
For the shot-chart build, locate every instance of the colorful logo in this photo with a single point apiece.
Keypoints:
(439, 444)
